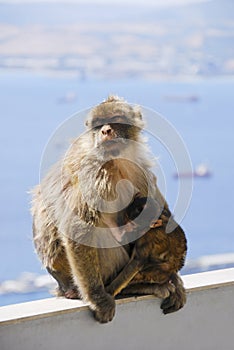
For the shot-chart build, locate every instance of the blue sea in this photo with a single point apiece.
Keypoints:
(34, 105)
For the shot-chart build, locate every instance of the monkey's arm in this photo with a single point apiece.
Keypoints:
(124, 277)
(85, 268)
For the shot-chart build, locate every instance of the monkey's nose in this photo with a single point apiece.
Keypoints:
(106, 130)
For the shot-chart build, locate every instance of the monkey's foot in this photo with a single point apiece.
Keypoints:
(176, 299)
(58, 292)
(72, 294)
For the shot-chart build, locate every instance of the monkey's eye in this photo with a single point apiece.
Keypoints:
(97, 123)
(118, 120)
(96, 127)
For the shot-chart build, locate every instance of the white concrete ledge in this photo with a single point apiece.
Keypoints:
(208, 280)
(206, 321)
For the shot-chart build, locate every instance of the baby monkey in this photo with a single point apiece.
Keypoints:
(156, 256)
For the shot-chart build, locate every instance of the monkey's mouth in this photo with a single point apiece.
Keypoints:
(110, 142)
(114, 146)
(114, 143)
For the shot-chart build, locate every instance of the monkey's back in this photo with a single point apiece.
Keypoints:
(162, 253)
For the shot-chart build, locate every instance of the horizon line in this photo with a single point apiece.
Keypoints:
(158, 3)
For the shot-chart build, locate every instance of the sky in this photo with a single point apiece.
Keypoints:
(130, 2)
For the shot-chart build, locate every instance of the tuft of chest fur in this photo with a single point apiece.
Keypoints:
(110, 187)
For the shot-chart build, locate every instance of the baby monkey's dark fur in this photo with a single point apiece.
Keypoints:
(157, 256)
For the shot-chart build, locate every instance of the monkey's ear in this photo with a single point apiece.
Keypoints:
(138, 117)
(88, 123)
(137, 111)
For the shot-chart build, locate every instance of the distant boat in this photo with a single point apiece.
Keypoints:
(182, 98)
(69, 97)
(202, 170)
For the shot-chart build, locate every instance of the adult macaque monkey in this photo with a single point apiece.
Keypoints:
(76, 205)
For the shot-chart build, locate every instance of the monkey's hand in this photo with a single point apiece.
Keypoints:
(177, 298)
(163, 291)
(157, 223)
(104, 309)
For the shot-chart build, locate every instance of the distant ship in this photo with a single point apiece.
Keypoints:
(202, 170)
(69, 97)
(182, 98)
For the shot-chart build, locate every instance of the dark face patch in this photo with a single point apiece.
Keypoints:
(98, 122)
(111, 135)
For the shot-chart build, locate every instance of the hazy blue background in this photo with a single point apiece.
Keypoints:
(43, 82)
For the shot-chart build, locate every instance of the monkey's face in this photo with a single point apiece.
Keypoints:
(112, 134)
(113, 124)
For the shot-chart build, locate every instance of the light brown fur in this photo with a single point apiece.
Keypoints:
(70, 207)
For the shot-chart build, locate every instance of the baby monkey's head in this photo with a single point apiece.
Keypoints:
(141, 215)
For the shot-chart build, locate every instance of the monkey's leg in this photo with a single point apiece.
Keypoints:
(173, 292)
(85, 267)
(61, 272)
(65, 286)
(124, 277)
(159, 290)
(176, 299)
